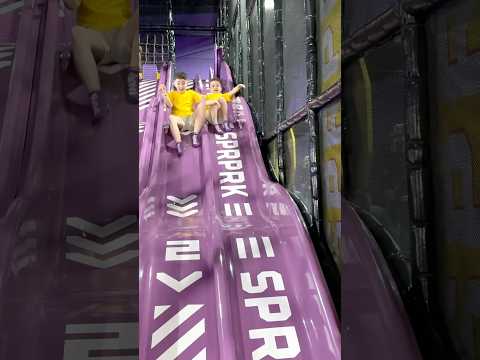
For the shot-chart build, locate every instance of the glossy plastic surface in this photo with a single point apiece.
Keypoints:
(227, 269)
(375, 323)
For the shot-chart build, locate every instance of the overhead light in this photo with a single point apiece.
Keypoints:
(269, 4)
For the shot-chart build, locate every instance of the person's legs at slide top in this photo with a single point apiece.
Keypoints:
(199, 122)
(176, 124)
(212, 112)
(130, 34)
(223, 115)
(90, 48)
(106, 33)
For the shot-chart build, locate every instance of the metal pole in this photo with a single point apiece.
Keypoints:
(261, 72)
(279, 85)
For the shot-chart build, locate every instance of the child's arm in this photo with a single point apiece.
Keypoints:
(72, 4)
(236, 89)
(163, 92)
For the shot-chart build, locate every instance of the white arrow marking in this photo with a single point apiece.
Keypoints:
(27, 227)
(102, 249)
(102, 231)
(181, 201)
(159, 310)
(177, 214)
(184, 342)
(179, 285)
(4, 64)
(102, 264)
(23, 262)
(182, 209)
(202, 355)
(4, 55)
(172, 324)
(148, 215)
(12, 7)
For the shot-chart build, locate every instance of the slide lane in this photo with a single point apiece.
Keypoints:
(227, 270)
(150, 134)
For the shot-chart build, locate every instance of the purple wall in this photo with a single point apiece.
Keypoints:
(194, 55)
(194, 51)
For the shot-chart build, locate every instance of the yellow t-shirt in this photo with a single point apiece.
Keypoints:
(183, 102)
(103, 15)
(217, 96)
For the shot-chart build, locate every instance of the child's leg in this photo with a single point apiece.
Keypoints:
(89, 48)
(200, 118)
(208, 115)
(223, 110)
(134, 58)
(212, 114)
(175, 124)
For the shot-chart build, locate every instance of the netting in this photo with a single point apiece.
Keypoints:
(154, 48)
(329, 44)
(254, 58)
(297, 165)
(454, 38)
(270, 70)
(330, 177)
(273, 156)
(359, 13)
(236, 50)
(373, 101)
(294, 56)
(8, 38)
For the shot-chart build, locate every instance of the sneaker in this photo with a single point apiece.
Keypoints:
(196, 140)
(132, 86)
(218, 129)
(99, 106)
(179, 149)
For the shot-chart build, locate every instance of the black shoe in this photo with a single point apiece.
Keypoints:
(179, 149)
(99, 106)
(218, 129)
(132, 87)
(196, 140)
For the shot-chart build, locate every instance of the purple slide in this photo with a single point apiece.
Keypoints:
(227, 269)
(377, 323)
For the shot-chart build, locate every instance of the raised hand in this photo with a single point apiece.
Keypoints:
(162, 89)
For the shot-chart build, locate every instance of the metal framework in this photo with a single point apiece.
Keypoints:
(314, 102)
(155, 48)
(407, 20)
(157, 42)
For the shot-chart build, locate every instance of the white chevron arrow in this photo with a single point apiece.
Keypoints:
(182, 211)
(6, 52)
(184, 208)
(148, 215)
(181, 201)
(102, 231)
(102, 249)
(184, 215)
(179, 285)
(102, 264)
(4, 9)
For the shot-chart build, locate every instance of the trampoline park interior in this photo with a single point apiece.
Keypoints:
(337, 218)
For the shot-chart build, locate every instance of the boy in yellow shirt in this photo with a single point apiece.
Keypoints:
(106, 32)
(188, 111)
(216, 104)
